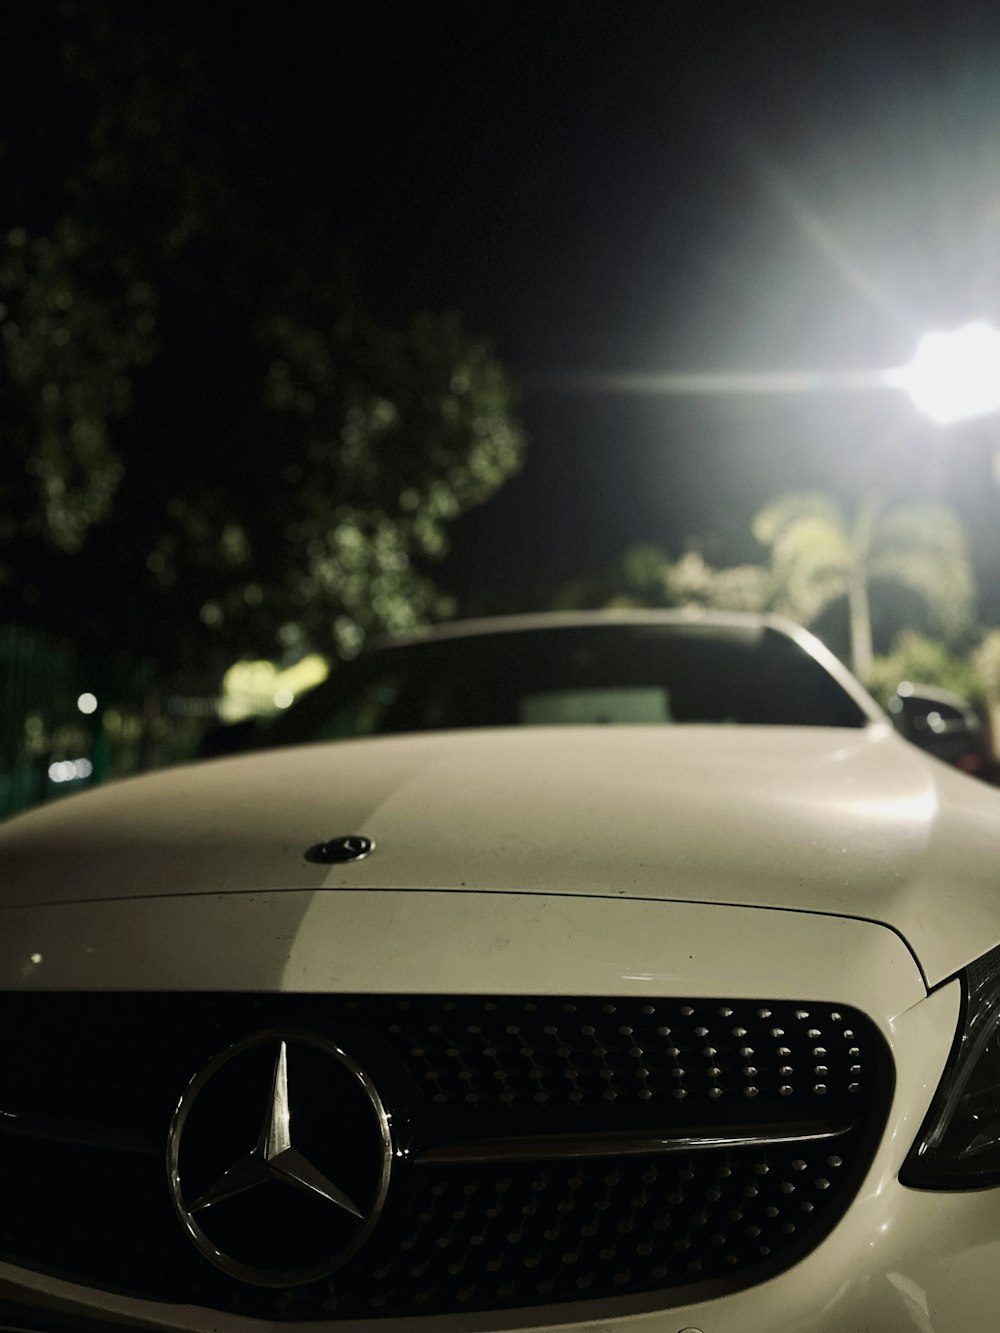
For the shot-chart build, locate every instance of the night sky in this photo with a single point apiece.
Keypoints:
(689, 185)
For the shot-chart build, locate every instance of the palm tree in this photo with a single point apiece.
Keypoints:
(820, 556)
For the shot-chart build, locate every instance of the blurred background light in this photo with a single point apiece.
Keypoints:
(955, 375)
(70, 770)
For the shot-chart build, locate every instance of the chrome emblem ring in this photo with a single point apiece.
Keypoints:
(278, 1158)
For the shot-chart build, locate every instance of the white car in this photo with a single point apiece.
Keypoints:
(626, 974)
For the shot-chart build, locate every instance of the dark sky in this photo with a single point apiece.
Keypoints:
(688, 185)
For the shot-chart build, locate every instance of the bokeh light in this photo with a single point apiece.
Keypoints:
(955, 375)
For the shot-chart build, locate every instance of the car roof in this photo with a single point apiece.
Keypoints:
(530, 620)
(739, 623)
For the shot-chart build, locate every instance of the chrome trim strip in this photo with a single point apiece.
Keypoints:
(60, 1130)
(626, 1143)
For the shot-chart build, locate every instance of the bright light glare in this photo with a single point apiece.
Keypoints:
(87, 703)
(956, 375)
(283, 698)
(70, 770)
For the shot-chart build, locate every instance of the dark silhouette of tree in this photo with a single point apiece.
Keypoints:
(209, 447)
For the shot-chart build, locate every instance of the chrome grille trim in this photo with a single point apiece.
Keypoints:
(569, 1147)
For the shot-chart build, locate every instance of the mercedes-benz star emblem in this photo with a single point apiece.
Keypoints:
(307, 1189)
(335, 851)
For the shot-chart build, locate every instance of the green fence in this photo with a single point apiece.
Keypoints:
(38, 691)
(53, 740)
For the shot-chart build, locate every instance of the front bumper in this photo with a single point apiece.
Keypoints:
(897, 1260)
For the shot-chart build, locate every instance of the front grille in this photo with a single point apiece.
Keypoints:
(496, 1199)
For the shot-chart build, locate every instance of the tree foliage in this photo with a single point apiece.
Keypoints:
(922, 550)
(898, 567)
(810, 550)
(646, 576)
(210, 447)
(903, 569)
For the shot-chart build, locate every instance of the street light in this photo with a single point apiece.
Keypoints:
(954, 376)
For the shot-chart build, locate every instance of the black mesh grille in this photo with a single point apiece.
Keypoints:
(456, 1071)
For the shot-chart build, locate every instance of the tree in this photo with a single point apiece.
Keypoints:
(210, 447)
(906, 559)
(646, 576)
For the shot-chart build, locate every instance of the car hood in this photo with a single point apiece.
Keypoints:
(851, 823)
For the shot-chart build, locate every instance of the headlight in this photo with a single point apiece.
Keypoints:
(959, 1144)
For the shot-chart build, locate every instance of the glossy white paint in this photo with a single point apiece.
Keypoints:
(855, 823)
(394, 941)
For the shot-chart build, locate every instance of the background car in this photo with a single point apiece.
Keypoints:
(943, 724)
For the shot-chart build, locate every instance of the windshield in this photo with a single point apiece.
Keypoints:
(615, 674)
